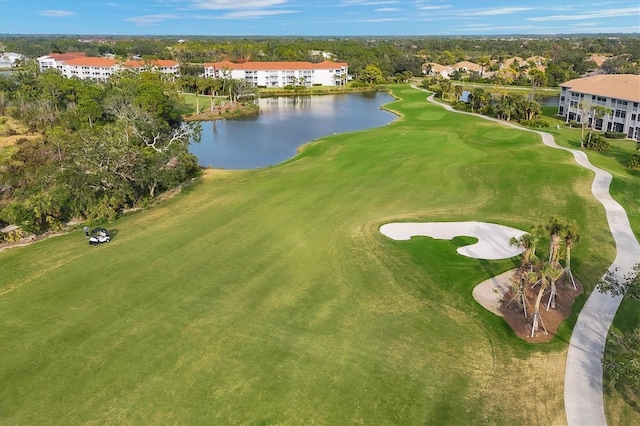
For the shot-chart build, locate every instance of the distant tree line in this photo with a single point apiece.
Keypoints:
(102, 147)
(569, 57)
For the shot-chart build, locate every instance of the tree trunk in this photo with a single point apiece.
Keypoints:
(536, 312)
(552, 297)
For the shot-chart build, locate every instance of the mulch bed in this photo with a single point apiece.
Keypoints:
(551, 319)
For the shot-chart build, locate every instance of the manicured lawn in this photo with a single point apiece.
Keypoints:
(269, 296)
(625, 187)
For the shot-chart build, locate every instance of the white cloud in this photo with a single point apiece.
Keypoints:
(386, 9)
(247, 14)
(151, 19)
(57, 13)
(444, 6)
(503, 11)
(235, 4)
(606, 13)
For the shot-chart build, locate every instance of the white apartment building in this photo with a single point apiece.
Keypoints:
(618, 92)
(280, 74)
(57, 60)
(77, 64)
(90, 68)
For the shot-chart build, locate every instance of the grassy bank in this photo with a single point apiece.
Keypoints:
(269, 296)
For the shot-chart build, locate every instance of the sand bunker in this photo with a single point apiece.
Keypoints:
(493, 244)
(493, 239)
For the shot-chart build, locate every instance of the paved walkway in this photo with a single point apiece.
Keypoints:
(583, 394)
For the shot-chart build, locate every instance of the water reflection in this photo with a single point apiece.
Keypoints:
(283, 125)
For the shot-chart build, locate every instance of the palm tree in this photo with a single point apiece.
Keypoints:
(571, 236)
(507, 106)
(597, 112)
(553, 275)
(555, 228)
(528, 243)
(478, 99)
(544, 283)
(586, 110)
(445, 86)
(457, 89)
(484, 62)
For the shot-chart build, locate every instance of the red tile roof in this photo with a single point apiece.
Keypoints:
(157, 63)
(257, 66)
(92, 62)
(618, 86)
(66, 56)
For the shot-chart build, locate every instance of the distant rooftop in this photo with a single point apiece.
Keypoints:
(255, 66)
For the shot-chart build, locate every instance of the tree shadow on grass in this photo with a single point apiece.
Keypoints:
(628, 394)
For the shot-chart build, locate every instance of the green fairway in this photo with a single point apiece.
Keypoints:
(269, 296)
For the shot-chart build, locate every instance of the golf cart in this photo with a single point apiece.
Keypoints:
(99, 236)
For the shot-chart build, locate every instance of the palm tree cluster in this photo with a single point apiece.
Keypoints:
(544, 273)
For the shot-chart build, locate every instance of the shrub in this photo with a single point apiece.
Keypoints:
(573, 123)
(288, 87)
(535, 123)
(596, 143)
(462, 106)
(634, 162)
(13, 236)
(359, 84)
(615, 135)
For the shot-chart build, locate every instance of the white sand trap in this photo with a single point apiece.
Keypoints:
(493, 239)
(491, 292)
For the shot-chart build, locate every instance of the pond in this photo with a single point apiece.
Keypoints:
(549, 100)
(283, 125)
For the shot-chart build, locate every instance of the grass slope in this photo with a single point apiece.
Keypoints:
(269, 296)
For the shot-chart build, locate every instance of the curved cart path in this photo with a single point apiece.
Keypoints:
(583, 396)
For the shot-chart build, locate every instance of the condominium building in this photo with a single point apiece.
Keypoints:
(77, 64)
(620, 93)
(280, 74)
(57, 60)
(90, 68)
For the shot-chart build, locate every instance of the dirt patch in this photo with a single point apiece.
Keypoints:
(11, 140)
(551, 319)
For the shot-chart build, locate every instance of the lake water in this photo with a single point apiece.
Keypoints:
(546, 100)
(283, 125)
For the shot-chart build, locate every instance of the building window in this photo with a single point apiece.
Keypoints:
(621, 113)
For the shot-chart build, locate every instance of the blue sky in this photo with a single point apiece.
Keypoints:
(318, 17)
